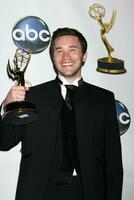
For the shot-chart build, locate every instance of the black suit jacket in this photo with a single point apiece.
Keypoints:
(98, 139)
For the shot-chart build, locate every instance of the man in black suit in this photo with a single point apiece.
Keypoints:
(73, 151)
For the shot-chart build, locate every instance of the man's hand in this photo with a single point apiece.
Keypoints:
(16, 93)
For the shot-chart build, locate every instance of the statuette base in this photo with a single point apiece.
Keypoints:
(18, 113)
(111, 65)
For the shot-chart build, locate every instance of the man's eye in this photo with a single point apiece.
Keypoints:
(73, 50)
(59, 51)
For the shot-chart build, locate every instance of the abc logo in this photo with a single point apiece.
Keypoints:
(123, 117)
(31, 33)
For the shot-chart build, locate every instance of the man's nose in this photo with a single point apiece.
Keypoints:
(65, 54)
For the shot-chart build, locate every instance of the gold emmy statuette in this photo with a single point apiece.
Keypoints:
(108, 64)
(19, 112)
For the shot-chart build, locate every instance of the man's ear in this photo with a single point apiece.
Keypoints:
(85, 57)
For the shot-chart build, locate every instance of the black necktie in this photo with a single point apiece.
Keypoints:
(69, 99)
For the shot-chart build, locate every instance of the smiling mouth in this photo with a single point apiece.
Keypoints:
(67, 64)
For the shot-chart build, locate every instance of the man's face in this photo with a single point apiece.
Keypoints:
(68, 56)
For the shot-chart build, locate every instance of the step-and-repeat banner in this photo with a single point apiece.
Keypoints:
(26, 26)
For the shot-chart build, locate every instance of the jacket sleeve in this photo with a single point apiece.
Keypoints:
(10, 135)
(113, 154)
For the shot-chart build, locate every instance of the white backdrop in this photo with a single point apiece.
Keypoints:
(74, 14)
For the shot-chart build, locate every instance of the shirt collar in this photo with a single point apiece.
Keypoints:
(65, 82)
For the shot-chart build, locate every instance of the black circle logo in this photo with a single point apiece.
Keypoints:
(31, 33)
(123, 117)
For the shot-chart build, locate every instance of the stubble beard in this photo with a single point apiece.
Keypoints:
(71, 74)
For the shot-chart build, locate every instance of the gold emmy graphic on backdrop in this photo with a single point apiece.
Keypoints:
(110, 65)
(19, 112)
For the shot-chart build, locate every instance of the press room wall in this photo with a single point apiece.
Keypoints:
(74, 14)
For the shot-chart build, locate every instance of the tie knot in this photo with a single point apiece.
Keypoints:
(71, 87)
